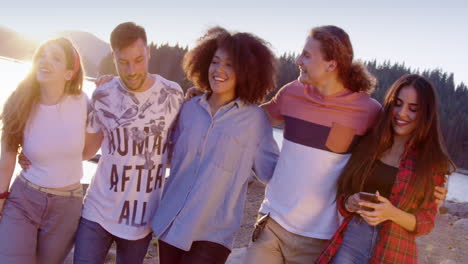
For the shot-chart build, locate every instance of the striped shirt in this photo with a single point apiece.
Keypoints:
(319, 134)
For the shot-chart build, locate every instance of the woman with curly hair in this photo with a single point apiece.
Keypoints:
(220, 138)
(46, 117)
(401, 160)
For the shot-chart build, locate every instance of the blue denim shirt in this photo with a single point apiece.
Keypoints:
(213, 159)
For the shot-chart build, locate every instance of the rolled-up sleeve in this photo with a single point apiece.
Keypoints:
(340, 203)
(425, 216)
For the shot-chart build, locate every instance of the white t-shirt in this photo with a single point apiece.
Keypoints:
(129, 179)
(54, 140)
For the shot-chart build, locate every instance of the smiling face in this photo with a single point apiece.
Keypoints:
(405, 111)
(132, 64)
(221, 74)
(51, 65)
(313, 68)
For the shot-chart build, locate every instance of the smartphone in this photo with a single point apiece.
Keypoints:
(368, 197)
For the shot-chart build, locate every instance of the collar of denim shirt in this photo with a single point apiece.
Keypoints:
(203, 100)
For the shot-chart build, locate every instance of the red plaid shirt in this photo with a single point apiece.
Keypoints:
(395, 244)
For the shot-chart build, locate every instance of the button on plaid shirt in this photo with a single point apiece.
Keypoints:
(395, 244)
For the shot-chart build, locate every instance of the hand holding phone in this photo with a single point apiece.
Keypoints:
(368, 197)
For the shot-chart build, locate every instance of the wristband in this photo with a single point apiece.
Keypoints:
(4, 195)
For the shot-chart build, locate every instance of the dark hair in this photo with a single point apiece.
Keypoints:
(21, 102)
(126, 34)
(336, 45)
(253, 62)
(431, 155)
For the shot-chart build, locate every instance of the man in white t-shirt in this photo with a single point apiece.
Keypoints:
(133, 113)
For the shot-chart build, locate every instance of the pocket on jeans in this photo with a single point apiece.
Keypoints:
(17, 189)
(75, 209)
(340, 138)
(17, 203)
(228, 151)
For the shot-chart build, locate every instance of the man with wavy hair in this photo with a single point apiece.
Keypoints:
(324, 113)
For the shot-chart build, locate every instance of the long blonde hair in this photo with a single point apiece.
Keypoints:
(24, 98)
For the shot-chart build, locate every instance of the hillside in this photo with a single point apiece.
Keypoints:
(19, 46)
(91, 48)
(14, 45)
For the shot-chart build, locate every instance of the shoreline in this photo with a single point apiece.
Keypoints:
(462, 171)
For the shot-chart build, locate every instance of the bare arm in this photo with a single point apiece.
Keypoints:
(404, 219)
(192, 92)
(92, 144)
(100, 80)
(273, 121)
(7, 166)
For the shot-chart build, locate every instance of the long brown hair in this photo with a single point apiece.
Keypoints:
(336, 45)
(23, 99)
(431, 156)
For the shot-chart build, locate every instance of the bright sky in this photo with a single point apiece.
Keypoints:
(424, 34)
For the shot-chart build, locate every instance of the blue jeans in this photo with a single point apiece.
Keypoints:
(358, 242)
(93, 242)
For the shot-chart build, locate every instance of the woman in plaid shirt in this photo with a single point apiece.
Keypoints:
(403, 158)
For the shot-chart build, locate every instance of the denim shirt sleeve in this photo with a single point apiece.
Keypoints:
(266, 156)
(175, 130)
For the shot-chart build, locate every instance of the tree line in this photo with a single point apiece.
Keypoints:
(166, 60)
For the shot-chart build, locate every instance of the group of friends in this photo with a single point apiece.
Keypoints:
(354, 182)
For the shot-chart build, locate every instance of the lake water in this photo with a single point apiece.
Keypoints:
(12, 72)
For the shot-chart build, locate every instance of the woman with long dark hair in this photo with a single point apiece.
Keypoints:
(400, 161)
(45, 117)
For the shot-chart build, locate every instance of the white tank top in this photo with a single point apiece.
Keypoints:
(54, 140)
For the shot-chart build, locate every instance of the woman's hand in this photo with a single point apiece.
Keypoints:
(7, 167)
(23, 161)
(2, 203)
(192, 92)
(352, 203)
(103, 79)
(383, 211)
(440, 193)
